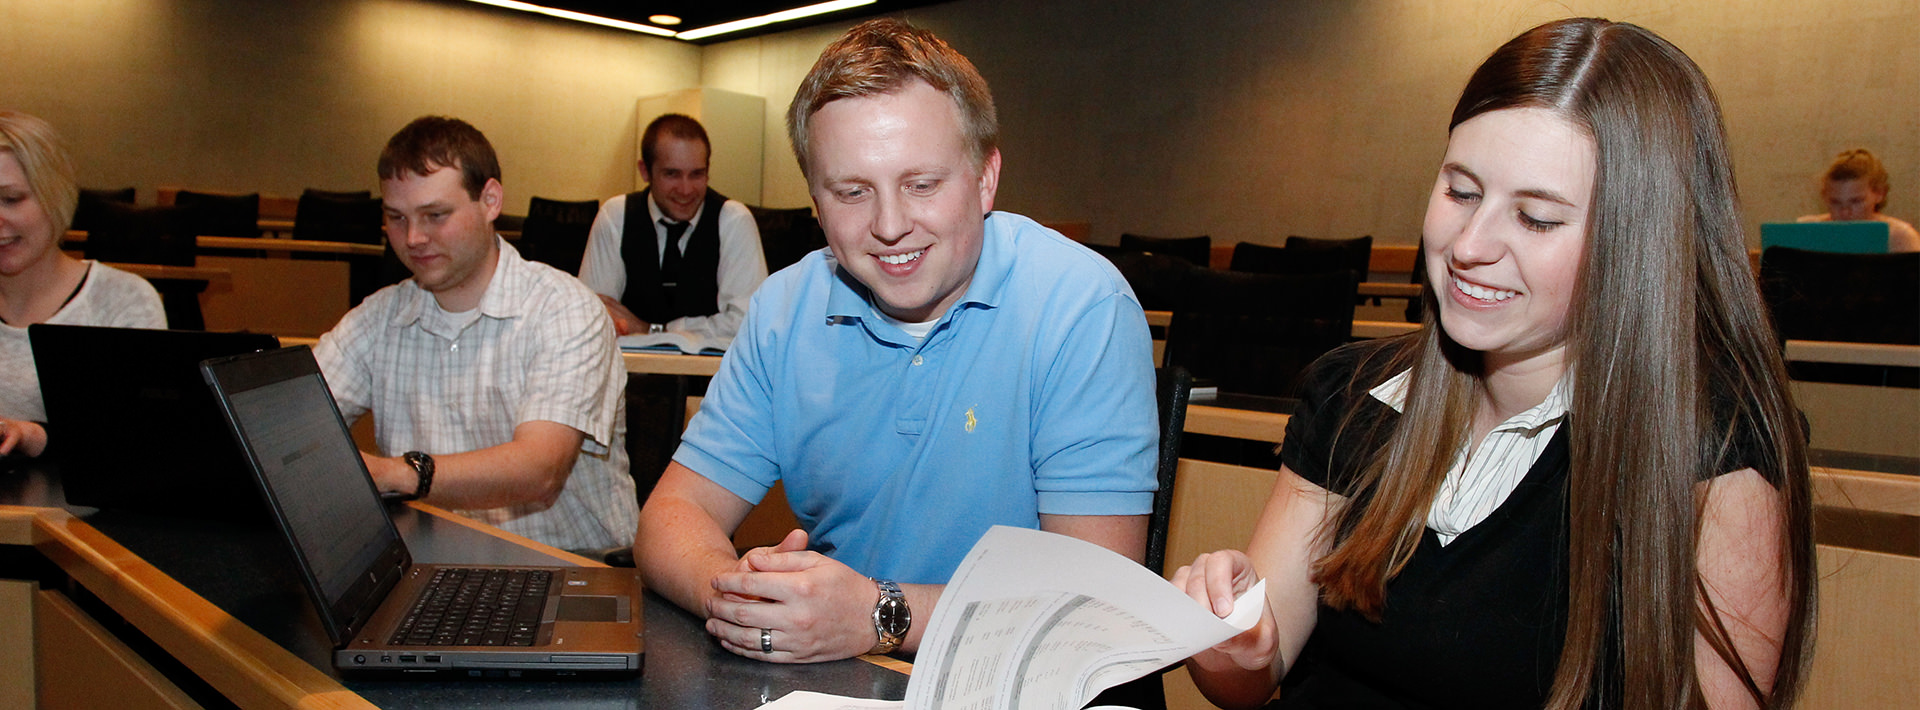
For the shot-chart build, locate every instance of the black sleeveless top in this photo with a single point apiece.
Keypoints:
(698, 290)
(1477, 623)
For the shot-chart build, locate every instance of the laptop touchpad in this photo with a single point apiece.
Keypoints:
(589, 609)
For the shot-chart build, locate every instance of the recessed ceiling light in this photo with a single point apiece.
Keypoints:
(668, 20)
(782, 16)
(579, 17)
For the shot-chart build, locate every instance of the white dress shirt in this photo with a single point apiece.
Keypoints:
(1478, 484)
(743, 265)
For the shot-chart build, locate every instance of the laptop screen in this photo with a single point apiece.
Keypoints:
(300, 451)
(316, 474)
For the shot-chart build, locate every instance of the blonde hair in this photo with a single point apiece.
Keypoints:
(881, 56)
(45, 162)
(1858, 164)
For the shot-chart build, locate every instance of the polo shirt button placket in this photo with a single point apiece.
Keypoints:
(918, 361)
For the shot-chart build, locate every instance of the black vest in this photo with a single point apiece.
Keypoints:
(698, 292)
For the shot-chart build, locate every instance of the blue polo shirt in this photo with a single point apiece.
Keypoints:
(1033, 394)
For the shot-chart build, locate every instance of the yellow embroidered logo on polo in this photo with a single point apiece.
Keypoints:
(971, 421)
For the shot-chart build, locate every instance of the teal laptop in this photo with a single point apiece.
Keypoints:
(1869, 237)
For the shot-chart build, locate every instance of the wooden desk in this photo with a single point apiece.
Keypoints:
(212, 276)
(659, 363)
(221, 599)
(275, 244)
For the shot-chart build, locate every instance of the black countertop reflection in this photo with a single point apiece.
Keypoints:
(246, 570)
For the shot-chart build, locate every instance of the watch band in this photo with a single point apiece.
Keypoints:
(656, 328)
(891, 617)
(423, 467)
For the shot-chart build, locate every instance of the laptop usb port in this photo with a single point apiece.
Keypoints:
(432, 659)
(406, 658)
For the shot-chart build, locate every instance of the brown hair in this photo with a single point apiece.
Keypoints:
(882, 55)
(1858, 164)
(430, 143)
(1671, 361)
(678, 125)
(44, 160)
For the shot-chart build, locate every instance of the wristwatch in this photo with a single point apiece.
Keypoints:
(656, 328)
(891, 617)
(423, 467)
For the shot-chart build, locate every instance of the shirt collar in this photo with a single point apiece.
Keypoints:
(653, 210)
(1393, 393)
(850, 299)
(505, 296)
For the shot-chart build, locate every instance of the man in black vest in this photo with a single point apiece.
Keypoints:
(696, 266)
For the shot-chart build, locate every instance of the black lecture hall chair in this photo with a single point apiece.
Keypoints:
(1197, 251)
(786, 235)
(1855, 298)
(89, 204)
(124, 233)
(555, 232)
(218, 215)
(1156, 278)
(1172, 385)
(353, 217)
(1254, 333)
(1302, 255)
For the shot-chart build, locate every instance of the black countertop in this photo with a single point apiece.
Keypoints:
(246, 570)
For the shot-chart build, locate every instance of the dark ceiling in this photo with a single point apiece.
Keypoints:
(696, 14)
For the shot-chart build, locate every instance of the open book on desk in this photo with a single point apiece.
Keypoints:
(674, 342)
(1038, 621)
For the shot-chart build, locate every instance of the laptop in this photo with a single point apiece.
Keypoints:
(382, 611)
(138, 430)
(1868, 237)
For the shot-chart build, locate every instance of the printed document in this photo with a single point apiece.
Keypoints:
(1038, 621)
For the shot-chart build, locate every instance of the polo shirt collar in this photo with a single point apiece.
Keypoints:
(505, 296)
(850, 299)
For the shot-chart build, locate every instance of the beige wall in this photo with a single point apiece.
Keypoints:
(1328, 118)
(241, 95)
(1261, 120)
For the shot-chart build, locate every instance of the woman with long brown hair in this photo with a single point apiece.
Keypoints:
(1585, 485)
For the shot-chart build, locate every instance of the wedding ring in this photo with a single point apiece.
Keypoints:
(766, 640)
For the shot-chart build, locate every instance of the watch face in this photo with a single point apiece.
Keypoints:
(893, 617)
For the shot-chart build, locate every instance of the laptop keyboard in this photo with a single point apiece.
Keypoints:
(477, 607)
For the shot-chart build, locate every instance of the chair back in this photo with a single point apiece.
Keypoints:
(129, 234)
(1857, 298)
(89, 205)
(555, 232)
(217, 215)
(1355, 255)
(1197, 251)
(786, 235)
(1172, 388)
(1255, 333)
(325, 216)
(1156, 278)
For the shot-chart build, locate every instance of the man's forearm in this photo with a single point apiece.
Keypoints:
(532, 468)
(679, 551)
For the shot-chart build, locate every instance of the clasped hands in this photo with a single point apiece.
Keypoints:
(1214, 580)
(813, 608)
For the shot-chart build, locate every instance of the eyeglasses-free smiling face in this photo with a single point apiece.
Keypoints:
(900, 197)
(678, 176)
(26, 235)
(1506, 227)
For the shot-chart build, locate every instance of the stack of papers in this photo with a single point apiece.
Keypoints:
(1037, 621)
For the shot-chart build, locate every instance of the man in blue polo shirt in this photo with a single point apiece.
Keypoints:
(938, 372)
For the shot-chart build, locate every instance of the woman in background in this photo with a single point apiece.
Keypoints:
(1855, 189)
(41, 284)
(1585, 485)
